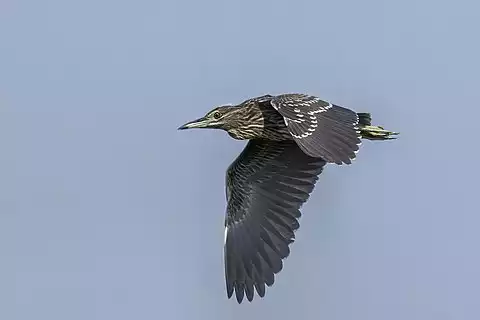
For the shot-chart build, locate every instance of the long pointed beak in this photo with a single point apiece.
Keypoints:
(199, 123)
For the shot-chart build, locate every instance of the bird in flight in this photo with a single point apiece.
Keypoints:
(291, 138)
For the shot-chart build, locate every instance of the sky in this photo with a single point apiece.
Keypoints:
(108, 212)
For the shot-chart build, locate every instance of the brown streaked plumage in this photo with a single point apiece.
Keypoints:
(291, 138)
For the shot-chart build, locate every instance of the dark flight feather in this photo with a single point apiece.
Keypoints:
(266, 186)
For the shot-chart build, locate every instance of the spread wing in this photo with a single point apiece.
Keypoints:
(321, 129)
(265, 187)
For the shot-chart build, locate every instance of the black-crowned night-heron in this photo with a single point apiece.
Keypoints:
(291, 138)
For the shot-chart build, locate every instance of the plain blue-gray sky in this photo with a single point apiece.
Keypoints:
(108, 212)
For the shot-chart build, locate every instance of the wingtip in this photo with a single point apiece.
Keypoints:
(239, 294)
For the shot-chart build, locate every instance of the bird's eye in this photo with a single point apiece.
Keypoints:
(217, 115)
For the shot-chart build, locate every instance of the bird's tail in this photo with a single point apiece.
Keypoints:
(373, 132)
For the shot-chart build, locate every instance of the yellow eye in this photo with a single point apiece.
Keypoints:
(217, 115)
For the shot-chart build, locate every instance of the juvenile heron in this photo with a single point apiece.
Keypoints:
(291, 138)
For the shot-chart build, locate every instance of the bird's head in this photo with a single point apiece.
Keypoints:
(229, 118)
